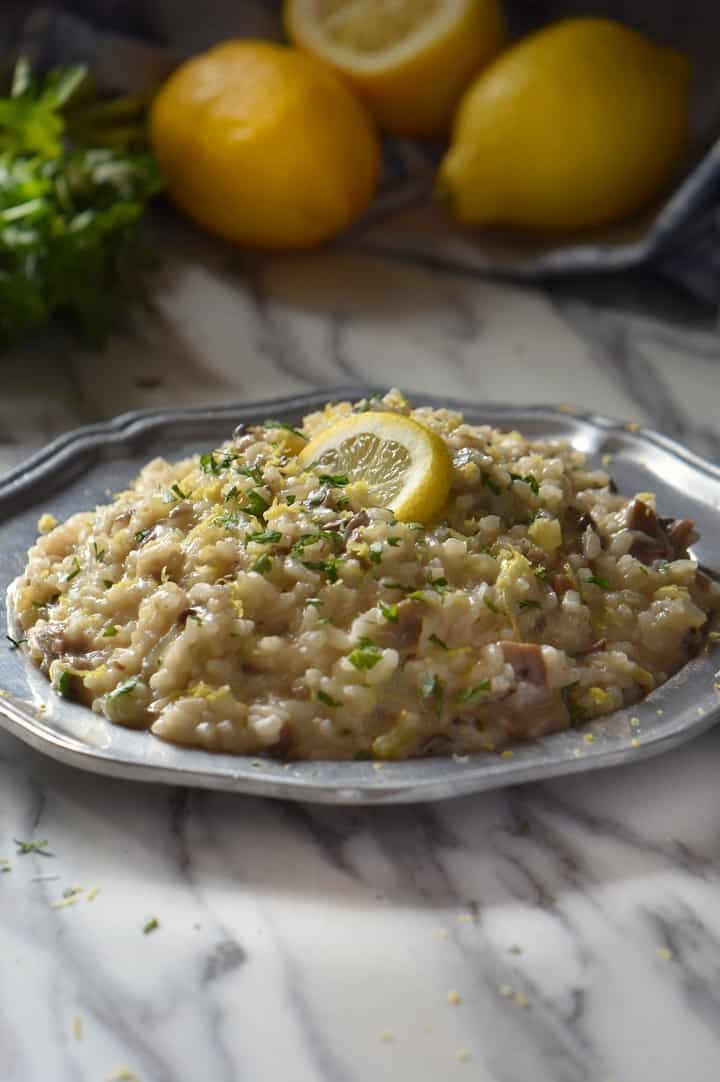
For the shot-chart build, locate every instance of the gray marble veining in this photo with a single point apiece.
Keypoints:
(577, 921)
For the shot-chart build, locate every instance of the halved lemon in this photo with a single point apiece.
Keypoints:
(410, 59)
(404, 465)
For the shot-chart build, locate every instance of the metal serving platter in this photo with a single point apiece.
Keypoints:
(82, 468)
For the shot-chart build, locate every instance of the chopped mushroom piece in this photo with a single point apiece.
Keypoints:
(681, 533)
(527, 660)
(409, 623)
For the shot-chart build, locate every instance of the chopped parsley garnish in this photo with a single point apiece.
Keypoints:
(525, 605)
(490, 604)
(265, 537)
(394, 541)
(110, 631)
(574, 709)
(208, 464)
(390, 612)
(255, 505)
(317, 498)
(107, 583)
(541, 573)
(370, 403)
(253, 472)
(178, 492)
(329, 567)
(228, 520)
(335, 480)
(431, 688)
(489, 483)
(151, 926)
(366, 655)
(598, 581)
(439, 584)
(262, 564)
(342, 503)
(125, 688)
(41, 848)
(308, 539)
(417, 595)
(475, 692)
(281, 424)
(15, 644)
(99, 553)
(328, 700)
(528, 479)
(290, 499)
(438, 642)
(65, 684)
(231, 495)
(142, 535)
(75, 571)
(375, 552)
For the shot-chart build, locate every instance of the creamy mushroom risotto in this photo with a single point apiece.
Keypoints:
(382, 582)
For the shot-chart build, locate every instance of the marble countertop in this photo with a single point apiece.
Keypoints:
(559, 932)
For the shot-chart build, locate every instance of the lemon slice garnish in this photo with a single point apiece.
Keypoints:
(410, 59)
(403, 465)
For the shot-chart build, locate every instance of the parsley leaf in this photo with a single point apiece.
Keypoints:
(178, 492)
(110, 631)
(151, 926)
(265, 537)
(256, 505)
(490, 604)
(328, 700)
(75, 571)
(308, 539)
(574, 709)
(390, 612)
(598, 581)
(375, 551)
(41, 848)
(64, 685)
(366, 655)
(431, 688)
(281, 424)
(329, 567)
(525, 605)
(142, 535)
(262, 564)
(250, 471)
(125, 688)
(438, 642)
(473, 693)
(528, 479)
(335, 480)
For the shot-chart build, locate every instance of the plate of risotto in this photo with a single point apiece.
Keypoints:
(359, 597)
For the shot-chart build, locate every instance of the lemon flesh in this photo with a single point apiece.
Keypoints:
(578, 125)
(409, 59)
(264, 146)
(402, 464)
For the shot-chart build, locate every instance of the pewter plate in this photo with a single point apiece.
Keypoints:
(82, 468)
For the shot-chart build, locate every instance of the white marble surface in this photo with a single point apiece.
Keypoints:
(578, 920)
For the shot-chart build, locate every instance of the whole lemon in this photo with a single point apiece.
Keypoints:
(578, 125)
(264, 146)
(409, 59)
